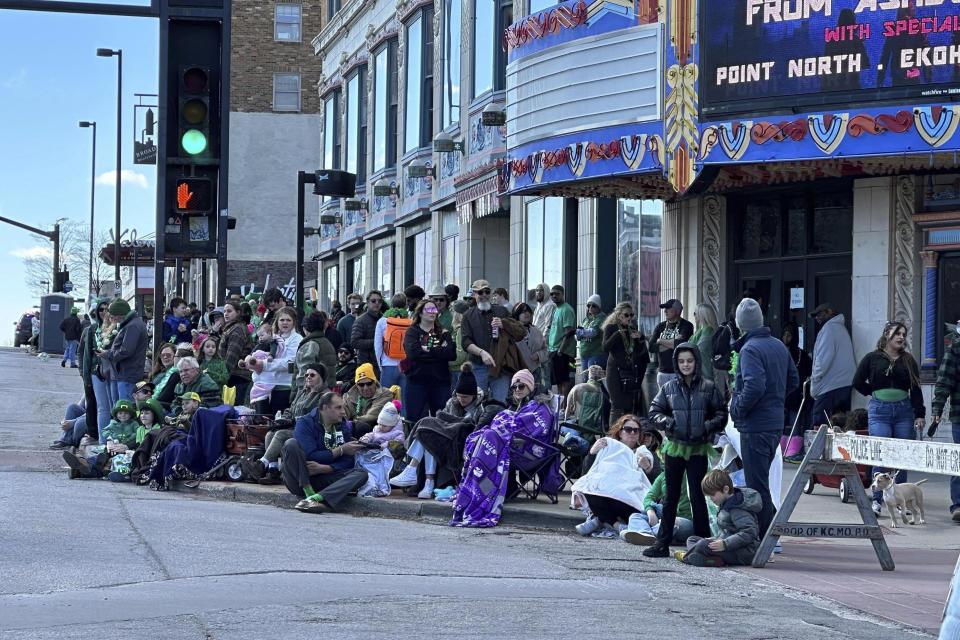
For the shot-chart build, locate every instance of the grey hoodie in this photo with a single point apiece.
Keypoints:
(543, 314)
(833, 361)
(737, 519)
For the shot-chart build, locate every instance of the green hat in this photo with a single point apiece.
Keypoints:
(153, 406)
(74, 311)
(191, 395)
(123, 405)
(119, 307)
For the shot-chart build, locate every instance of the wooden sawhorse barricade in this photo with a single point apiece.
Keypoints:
(838, 454)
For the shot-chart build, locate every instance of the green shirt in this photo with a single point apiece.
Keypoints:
(446, 319)
(563, 317)
(593, 346)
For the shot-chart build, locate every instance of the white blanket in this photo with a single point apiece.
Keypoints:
(616, 474)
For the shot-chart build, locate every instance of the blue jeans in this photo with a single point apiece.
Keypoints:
(101, 391)
(826, 404)
(757, 451)
(417, 452)
(76, 413)
(682, 529)
(955, 480)
(120, 390)
(71, 352)
(498, 388)
(890, 420)
(600, 360)
(420, 398)
(390, 376)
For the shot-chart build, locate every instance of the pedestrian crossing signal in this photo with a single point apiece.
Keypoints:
(194, 195)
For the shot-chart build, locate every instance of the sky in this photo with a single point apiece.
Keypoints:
(50, 79)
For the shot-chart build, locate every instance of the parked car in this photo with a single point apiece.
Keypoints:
(24, 330)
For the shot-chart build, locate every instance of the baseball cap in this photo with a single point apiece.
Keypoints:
(480, 284)
(823, 306)
(191, 395)
(672, 303)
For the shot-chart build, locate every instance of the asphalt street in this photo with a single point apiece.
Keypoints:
(84, 558)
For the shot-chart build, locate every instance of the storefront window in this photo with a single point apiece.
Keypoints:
(384, 270)
(422, 263)
(451, 63)
(639, 225)
(449, 263)
(331, 280)
(358, 277)
(544, 241)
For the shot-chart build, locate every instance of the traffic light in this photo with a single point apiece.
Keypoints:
(194, 86)
(194, 195)
(194, 99)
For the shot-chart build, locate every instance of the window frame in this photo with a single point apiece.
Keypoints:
(421, 82)
(299, 92)
(450, 101)
(390, 100)
(332, 98)
(333, 7)
(277, 21)
(501, 19)
(358, 129)
(547, 219)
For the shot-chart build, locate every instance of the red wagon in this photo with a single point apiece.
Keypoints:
(840, 482)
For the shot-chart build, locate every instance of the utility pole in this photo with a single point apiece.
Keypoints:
(53, 236)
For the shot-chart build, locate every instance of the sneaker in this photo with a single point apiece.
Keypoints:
(587, 527)
(700, 560)
(639, 538)
(877, 507)
(272, 477)
(63, 363)
(58, 445)
(956, 515)
(679, 555)
(253, 469)
(796, 458)
(406, 478)
(427, 492)
(606, 532)
(657, 551)
(778, 548)
(620, 527)
(79, 467)
(310, 505)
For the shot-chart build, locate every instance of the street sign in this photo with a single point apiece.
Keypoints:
(117, 288)
(67, 286)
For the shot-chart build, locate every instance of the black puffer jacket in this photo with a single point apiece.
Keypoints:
(689, 414)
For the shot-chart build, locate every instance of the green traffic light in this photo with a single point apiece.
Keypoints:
(193, 142)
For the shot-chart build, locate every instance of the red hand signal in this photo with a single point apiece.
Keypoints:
(184, 195)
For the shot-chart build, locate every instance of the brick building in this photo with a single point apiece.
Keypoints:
(275, 126)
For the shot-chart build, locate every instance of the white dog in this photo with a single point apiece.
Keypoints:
(899, 495)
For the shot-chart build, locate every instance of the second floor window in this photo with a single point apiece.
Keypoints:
(385, 106)
(286, 22)
(286, 92)
(419, 99)
(356, 125)
(489, 60)
(331, 130)
(451, 63)
(332, 7)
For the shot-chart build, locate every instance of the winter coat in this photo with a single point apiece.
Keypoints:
(506, 356)
(203, 386)
(689, 414)
(309, 433)
(543, 314)
(765, 375)
(234, 346)
(345, 327)
(475, 329)
(367, 411)
(362, 335)
(124, 362)
(305, 402)
(682, 331)
(703, 338)
(277, 372)
(471, 412)
(833, 360)
(382, 359)
(216, 368)
(122, 432)
(737, 520)
(312, 349)
(70, 326)
(430, 367)
(948, 381)
(171, 332)
(533, 348)
(590, 336)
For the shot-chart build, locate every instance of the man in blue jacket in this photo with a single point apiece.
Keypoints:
(765, 376)
(320, 456)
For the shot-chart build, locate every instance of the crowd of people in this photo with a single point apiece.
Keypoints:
(451, 384)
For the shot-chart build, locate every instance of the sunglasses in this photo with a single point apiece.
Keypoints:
(590, 304)
(483, 292)
(630, 429)
(518, 387)
(627, 315)
(374, 300)
(364, 384)
(309, 375)
(430, 310)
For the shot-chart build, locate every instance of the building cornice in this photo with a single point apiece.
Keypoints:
(340, 25)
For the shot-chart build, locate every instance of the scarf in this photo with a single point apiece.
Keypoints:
(332, 439)
(627, 342)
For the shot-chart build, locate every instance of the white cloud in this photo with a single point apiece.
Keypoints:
(32, 252)
(15, 80)
(109, 178)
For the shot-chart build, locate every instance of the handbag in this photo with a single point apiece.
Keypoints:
(630, 382)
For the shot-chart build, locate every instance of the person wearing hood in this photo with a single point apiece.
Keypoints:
(543, 319)
(737, 519)
(365, 400)
(833, 364)
(765, 374)
(689, 409)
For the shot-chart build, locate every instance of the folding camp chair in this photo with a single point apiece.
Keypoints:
(590, 423)
(536, 462)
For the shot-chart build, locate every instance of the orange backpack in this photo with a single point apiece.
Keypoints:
(393, 337)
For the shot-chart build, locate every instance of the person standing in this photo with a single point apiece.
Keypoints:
(429, 349)
(439, 298)
(477, 339)
(666, 336)
(705, 323)
(833, 364)
(792, 442)
(626, 364)
(561, 344)
(70, 326)
(948, 385)
(891, 378)
(235, 345)
(336, 312)
(176, 326)
(590, 336)
(345, 324)
(765, 375)
(364, 330)
(124, 361)
(388, 342)
(542, 317)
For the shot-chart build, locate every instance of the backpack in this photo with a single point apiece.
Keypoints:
(393, 337)
(721, 346)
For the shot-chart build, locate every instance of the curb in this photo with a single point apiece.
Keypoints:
(514, 514)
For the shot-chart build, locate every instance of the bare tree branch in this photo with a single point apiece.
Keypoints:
(74, 257)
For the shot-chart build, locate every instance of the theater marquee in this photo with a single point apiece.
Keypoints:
(762, 54)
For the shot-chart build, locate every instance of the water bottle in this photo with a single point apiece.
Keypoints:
(495, 332)
(278, 416)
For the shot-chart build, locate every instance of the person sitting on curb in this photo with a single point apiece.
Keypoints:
(320, 457)
(150, 416)
(465, 401)
(642, 528)
(377, 460)
(187, 405)
(365, 400)
(740, 535)
(120, 435)
(192, 380)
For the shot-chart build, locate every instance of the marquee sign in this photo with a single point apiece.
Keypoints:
(762, 54)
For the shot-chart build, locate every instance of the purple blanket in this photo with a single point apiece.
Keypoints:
(487, 464)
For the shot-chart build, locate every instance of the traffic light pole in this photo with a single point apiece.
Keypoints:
(53, 236)
(303, 179)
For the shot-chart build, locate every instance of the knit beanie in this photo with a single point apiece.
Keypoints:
(119, 307)
(389, 415)
(595, 299)
(364, 372)
(461, 306)
(467, 384)
(525, 377)
(749, 315)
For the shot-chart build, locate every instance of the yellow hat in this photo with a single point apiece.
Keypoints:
(365, 372)
(191, 395)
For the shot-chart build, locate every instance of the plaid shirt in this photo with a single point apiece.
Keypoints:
(234, 345)
(948, 382)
